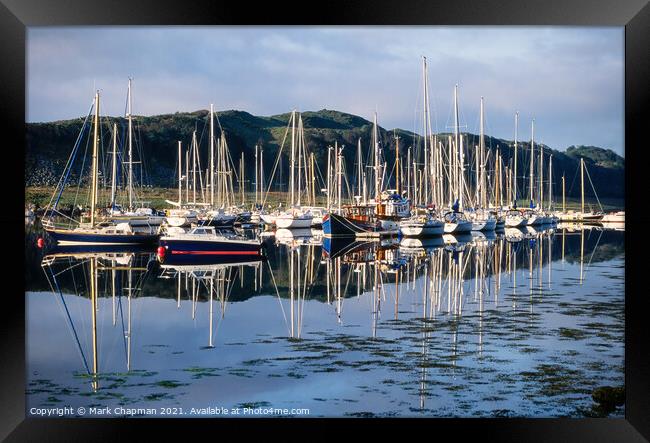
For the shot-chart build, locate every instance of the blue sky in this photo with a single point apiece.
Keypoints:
(570, 79)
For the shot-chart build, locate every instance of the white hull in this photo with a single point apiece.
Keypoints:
(389, 225)
(180, 221)
(269, 219)
(516, 221)
(415, 229)
(455, 228)
(617, 217)
(293, 222)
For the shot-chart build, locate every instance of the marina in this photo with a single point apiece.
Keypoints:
(410, 327)
(301, 233)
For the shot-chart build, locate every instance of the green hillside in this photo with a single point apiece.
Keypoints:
(49, 145)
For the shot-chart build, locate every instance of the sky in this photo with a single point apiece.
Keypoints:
(569, 79)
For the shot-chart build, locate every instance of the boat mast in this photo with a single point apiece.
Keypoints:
(114, 174)
(397, 165)
(450, 183)
(329, 177)
(335, 181)
(499, 184)
(408, 174)
(194, 167)
(93, 307)
(550, 181)
(461, 175)
(359, 169)
(563, 196)
(340, 176)
(212, 155)
(425, 118)
(293, 153)
(532, 153)
(515, 171)
(582, 185)
(377, 167)
(187, 175)
(300, 161)
(180, 175)
(93, 191)
(483, 191)
(478, 177)
(130, 184)
(257, 177)
(241, 173)
(457, 143)
(313, 178)
(541, 174)
(261, 174)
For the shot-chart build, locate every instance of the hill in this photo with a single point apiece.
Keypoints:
(49, 144)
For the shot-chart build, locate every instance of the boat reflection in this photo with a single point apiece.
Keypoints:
(448, 279)
(93, 272)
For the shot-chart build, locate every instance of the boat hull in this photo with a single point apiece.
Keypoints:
(71, 238)
(139, 220)
(421, 229)
(515, 221)
(219, 222)
(338, 226)
(180, 221)
(209, 247)
(458, 227)
(293, 222)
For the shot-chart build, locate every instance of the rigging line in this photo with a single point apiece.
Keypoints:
(575, 175)
(120, 308)
(279, 299)
(594, 251)
(593, 189)
(277, 160)
(71, 324)
(71, 158)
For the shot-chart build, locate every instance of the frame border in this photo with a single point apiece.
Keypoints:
(17, 15)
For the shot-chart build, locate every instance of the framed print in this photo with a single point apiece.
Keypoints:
(378, 214)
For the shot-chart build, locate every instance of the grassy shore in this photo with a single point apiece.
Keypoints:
(151, 197)
(157, 198)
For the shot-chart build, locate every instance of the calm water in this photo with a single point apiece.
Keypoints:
(526, 323)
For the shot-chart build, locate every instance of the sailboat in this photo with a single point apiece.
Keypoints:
(180, 217)
(375, 218)
(481, 218)
(140, 216)
(206, 241)
(582, 216)
(515, 218)
(427, 223)
(534, 215)
(94, 231)
(222, 214)
(295, 217)
(455, 220)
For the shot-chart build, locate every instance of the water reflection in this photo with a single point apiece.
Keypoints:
(394, 319)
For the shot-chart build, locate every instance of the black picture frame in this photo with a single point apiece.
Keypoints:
(16, 15)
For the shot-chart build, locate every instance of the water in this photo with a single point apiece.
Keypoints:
(524, 325)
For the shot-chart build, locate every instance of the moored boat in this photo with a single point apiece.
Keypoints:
(614, 217)
(456, 223)
(421, 226)
(204, 240)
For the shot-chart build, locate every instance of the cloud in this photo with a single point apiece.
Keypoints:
(569, 79)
